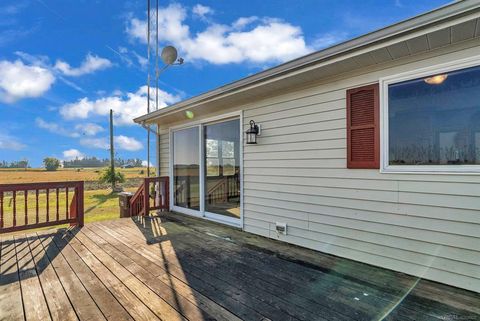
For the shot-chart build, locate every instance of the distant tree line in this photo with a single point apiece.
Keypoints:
(15, 164)
(97, 162)
(78, 163)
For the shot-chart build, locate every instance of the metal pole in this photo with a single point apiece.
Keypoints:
(156, 72)
(148, 85)
(112, 152)
(148, 56)
(156, 60)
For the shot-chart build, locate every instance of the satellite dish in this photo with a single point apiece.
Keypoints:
(169, 55)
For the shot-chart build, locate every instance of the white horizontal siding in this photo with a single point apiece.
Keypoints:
(426, 225)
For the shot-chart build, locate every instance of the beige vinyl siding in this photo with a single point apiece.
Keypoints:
(426, 225)
(164, 147)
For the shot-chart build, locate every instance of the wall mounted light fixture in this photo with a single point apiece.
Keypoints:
(252, 133)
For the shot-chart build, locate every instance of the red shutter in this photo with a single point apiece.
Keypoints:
(363, 138)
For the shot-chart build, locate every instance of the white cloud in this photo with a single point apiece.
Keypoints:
(100, 143)
(142, 61)
(55, 128)
(265, 40)
(89, 129)
(242, 22)
(127, 143)
(126, 106)
(202, 11)
(145, 163)
(329, 39)
(170, 20)
(9, 142)
(19, 81)
(72, 154)
(91, 64)
(121, 142)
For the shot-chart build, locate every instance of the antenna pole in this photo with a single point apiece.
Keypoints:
(156, 59)
(112, 152)
(148, 85)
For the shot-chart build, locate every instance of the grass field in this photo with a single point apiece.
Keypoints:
(34, 175)
(99, 203)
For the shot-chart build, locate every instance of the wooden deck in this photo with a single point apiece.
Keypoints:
(180, 268)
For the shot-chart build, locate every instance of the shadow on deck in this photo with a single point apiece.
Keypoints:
(180, 268)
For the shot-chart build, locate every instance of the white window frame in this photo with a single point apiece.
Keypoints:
(385, 167)
(202, 213)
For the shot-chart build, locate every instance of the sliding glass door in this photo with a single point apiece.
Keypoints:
(186, 169)
(206, 178)
(222, 168)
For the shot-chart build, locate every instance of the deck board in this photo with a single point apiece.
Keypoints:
(201, 283)
(57, 300)
(153, 301)
(174, 299)
(11, 307)
(239, 277)
(34, 301)
(179, 268)
(325, 295)
(120, 291)
(179, 287)
(80, 299)
(172, 255)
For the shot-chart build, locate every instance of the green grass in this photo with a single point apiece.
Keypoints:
(99, 205)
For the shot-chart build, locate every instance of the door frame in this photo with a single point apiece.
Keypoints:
(202, 213)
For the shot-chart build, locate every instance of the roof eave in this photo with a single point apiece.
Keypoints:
(446, 12)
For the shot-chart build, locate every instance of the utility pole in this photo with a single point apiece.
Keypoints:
(112, 152)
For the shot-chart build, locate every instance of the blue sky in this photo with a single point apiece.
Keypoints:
(65, 63)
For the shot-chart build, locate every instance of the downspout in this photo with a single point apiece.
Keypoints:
(147, 128)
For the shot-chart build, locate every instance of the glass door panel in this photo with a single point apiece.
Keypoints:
(222, 168)
(186, 168)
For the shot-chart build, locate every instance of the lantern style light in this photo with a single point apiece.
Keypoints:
(252, 133)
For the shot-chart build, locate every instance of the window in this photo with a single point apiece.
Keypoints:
(434, 121)
(228, 158)
(205, 167)
(211, 151)
(186, 168)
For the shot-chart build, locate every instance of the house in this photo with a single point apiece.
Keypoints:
(368, 150)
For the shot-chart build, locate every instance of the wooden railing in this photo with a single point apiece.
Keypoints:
(181, 191)
(220, 189)
(53, 204)
(226, 188)
(153, 194)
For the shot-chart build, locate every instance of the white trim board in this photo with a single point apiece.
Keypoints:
(384, 147)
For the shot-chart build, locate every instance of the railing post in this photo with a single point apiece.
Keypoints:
(25, 195)
(80, 204)
(1, 209)
(14, 208)
(167, 193)
(187, 193)
(146, 197)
